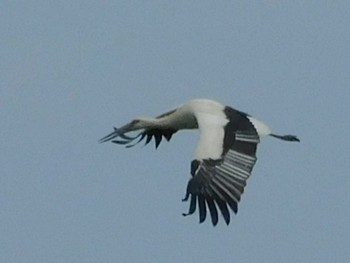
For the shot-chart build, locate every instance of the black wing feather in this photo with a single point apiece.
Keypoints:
(148, 134)
(157, 134)
(202, 208)
(213, 211)
(192, 207)
(157, 138)
(224, 211)
(148, 139)
(220, 183)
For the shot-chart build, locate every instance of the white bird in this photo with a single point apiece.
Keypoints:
(223, 159)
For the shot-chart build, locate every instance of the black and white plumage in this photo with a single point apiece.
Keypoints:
(223, 159)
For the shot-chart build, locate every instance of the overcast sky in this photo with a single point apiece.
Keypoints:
(71, 70)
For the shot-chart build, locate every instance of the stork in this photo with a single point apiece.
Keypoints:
(223, 159)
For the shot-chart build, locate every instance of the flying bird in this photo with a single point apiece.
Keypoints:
(223, 159)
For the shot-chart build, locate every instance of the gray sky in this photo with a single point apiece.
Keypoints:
(72, 70)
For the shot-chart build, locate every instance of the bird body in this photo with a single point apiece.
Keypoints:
(223, 159)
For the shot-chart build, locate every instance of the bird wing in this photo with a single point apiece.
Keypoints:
(218, 181)
(156, 133)
(118, 135)
(146, 134)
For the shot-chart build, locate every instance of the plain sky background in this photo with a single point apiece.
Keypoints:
(71, 70)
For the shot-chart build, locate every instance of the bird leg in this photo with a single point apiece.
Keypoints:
(288, 137)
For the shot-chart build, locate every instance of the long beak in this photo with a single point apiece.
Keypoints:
(118, 133)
